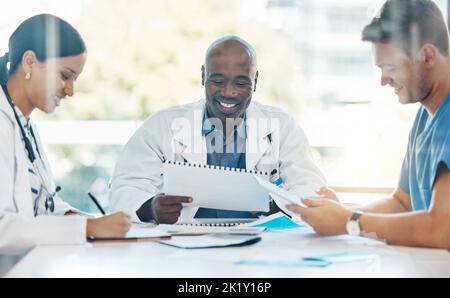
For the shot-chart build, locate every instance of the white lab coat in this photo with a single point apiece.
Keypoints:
(175, 134)
(20, 230)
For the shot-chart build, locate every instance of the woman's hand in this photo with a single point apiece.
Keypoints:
(114, 225)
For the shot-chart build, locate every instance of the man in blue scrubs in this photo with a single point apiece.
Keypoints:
(411, 47)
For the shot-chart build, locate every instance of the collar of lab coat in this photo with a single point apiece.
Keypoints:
(22, 196)
(191, 143)
(5, 107)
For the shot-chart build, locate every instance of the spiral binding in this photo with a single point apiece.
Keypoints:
(221, 224)
(217, 168)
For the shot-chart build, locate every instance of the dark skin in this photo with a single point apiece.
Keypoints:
(167, 209)
(229, 76)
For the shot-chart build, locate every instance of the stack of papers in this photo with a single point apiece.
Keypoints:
(146, 233)
(274, 222)
(210, 241)
(136, 233)
(186, 230)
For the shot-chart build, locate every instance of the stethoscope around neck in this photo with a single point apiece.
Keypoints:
(49, 201)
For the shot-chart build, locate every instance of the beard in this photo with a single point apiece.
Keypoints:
(424, 89)
(420, 89)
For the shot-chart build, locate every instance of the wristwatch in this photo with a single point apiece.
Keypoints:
(353, 226)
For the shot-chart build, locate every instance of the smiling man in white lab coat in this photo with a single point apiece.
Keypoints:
(260, 137)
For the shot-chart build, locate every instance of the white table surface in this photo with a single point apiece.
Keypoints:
(151, 259)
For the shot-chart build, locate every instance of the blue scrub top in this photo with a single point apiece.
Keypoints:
(228, 153)
(428, 150)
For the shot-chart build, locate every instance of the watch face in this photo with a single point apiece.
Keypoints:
(353, 228)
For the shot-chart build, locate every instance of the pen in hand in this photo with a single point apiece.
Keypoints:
(96, 203)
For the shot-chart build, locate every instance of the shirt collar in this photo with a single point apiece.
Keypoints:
(23, 120)
(209, 127)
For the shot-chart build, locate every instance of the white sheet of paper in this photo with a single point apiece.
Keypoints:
(278, 192)
(148, 232)
(215, 188)
(202, 230)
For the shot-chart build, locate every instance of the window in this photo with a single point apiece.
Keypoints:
(146, 55)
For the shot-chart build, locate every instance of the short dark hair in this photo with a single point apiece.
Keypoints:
(398, 18)
(48, 36)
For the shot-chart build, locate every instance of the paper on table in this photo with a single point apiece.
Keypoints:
(282, 263)
(215, 222)
(210, 241)
(317, 261)
(277, 221)
(202, 230)
(146, 233)
(343, 257)
(136, 233)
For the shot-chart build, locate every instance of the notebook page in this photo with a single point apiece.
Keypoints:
(216, 187)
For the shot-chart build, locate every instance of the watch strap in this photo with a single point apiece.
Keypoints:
(356, 215)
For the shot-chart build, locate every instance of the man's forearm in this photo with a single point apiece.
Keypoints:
(413, 229)
(387, 206)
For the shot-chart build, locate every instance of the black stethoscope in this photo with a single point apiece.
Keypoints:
(49, 201)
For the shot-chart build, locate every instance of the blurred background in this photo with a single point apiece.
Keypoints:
(146, 55)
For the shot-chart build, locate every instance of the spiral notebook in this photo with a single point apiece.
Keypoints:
(183, 230)
(216, 187)
(217, 222)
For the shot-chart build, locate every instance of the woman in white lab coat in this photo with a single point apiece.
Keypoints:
(46, 55)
